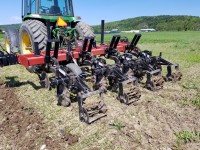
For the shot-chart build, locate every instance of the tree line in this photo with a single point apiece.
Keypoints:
(160, 23)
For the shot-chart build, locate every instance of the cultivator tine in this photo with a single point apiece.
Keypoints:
(154, 80)
(85, 54)
(102, 31)
(130, 94)
(91, 44)
(116, 41)
(36, 51)
(112, 41)
(173, 76)
(8, 59)
(135, 40)
(111, 50)
(85, 44)
(132, 46)
(44, 80)
(48, 29)
(91, 112)
(48, 50)
(63, 95)
(55, 55)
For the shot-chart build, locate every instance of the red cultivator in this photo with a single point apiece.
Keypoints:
(130, 67)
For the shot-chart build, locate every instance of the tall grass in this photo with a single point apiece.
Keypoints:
(159, 37)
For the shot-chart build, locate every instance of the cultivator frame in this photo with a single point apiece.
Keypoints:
(130, 67)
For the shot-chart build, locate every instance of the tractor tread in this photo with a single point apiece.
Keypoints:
(84, 30)
(37, 32)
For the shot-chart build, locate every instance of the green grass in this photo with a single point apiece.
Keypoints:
(196, 101)
(118, 124)
(187, 136)
(1, 40)
(179, 47)
(159, 37)
(189, 85)
(1, 37)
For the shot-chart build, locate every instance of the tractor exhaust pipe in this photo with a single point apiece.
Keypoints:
(102, 31)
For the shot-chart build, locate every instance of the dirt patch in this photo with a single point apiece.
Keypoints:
(155, 121)
(21, 127)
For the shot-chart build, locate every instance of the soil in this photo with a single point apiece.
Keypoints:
(148, 124)
(155, 121)
(21, 127)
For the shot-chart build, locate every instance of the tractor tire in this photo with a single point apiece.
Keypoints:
(11, 40)
(75, 69)
(84, 30)
(32, 31)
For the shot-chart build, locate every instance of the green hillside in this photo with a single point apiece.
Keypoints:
(161, 23)
(3, 27)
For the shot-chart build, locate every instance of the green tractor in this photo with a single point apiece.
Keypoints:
(36, 14)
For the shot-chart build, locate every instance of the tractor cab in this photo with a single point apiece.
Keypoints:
(38, 17)
(47, 8)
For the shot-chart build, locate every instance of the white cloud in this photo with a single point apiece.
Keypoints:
(16, 18)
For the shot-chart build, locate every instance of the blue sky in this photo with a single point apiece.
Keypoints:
(93, 11)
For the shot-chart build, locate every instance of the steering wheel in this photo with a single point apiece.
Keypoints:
(44, 9)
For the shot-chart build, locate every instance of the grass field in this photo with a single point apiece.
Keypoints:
(180, 46)
(157, 121)
(1, 36)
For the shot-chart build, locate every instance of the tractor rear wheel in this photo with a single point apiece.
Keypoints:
(84, 30)
(11, 40)
(32, 31)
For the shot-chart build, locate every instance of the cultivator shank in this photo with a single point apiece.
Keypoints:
(113, 73)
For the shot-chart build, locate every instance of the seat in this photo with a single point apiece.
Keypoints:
(54, 10)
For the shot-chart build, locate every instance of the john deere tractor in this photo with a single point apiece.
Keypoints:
(37, 15)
